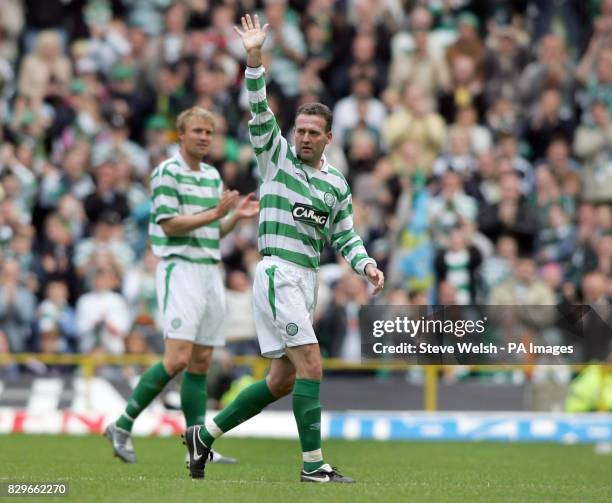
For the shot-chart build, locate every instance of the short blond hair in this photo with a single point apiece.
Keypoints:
(198, 112)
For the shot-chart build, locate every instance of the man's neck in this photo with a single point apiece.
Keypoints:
(315, 164)
(192, 162)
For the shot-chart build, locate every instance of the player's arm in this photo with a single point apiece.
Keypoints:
(264, 131)
(180, 225)
(348, 243)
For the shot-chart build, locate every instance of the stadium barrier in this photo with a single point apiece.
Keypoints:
(97, 403)
(88, 364)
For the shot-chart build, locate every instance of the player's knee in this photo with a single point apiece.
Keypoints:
(177, 362)
(199, 363)
(313, 370)
(280, 385)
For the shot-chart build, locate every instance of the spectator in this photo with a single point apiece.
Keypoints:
(480, 138)
(139, 290)
(56, 328)
(468, 42)
(503, 61)
(458, 156)
(239, 324)
(362, 63)
(457, 265)
(102, 316)
(512, 215)
(500, 266)
(414, 122)
(553, 69)
(338, 329)
(286, 44)
(466, 89)
(359, 107)
(46, 71)
(547, 121)
(524, 288)
(107, 238)
(452, 207)
(17, 307)
(593, 144)
(107, 198)
(420, 65)
(597, 323)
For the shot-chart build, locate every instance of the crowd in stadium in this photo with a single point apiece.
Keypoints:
(476, 136)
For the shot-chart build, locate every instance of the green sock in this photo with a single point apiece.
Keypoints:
(150, 385)
(307, 412)
(194, 398)
(249, 402)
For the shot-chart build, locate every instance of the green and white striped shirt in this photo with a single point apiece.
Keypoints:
(177, 190)
(301, 208)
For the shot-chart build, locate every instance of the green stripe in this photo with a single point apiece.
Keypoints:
(259, 106)
(358, 258)
(276, 154)
(271, 293)
(342, 214)
(206, 260)
(255, 84)
(204, 202)
(298, 187)
(268, 146)
(341, 238)
(348, 249)
(165, 190)
(171, 266)
(292, 183)
(165, 211)
(280, 229)
(200, 182)
(295, 257)
(326, 187)
(276, 202)
(185, 241)
(262, 128)
(165, 164)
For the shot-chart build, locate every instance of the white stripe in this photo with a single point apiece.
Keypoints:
(213, 429)
(312, 456)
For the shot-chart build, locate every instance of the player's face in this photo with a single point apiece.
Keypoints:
(311, 138)
(197, 137)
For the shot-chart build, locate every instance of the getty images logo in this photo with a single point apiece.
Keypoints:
(308, 214)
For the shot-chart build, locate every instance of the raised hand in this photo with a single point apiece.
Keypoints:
(252, 34)
(248, 207)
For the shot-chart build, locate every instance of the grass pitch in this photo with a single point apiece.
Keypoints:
(269, 471)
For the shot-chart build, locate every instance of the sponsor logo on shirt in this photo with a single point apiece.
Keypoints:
(309, 215)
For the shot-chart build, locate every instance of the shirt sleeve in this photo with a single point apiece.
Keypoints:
(164, 188)
(264, 131)
(345, 240)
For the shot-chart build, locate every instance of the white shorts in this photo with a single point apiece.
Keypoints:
(284, 300)
(191, 298)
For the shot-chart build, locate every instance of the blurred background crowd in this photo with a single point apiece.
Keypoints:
(476, 136)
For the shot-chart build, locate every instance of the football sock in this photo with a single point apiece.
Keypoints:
(307, 412)
(150, 385)
(194, 398)
(249, 402)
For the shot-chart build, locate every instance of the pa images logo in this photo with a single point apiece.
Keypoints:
(291, 329)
